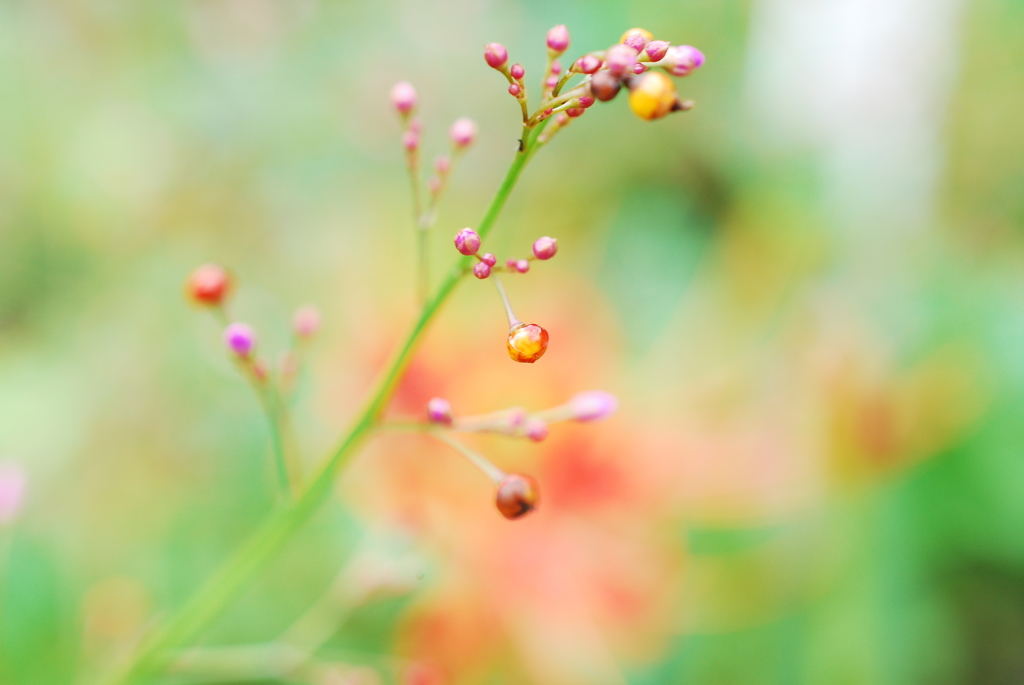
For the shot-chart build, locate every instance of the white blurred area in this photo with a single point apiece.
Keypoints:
(864, 86)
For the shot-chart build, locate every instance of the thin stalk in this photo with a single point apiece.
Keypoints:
(490, 470)
(512, 319)
(154, 651)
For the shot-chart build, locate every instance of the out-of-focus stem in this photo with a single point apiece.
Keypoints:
(154, 651)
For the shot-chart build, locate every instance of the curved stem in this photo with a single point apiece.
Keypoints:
(154, 651)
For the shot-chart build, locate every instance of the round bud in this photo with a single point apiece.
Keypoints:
(496, 55)
(442, 165)
(604, 86)
(562, 119)
(482, 270)
(551, 81)
(556, 67)
(209, 285)
(588, 64)
(593, 405)
(517, 496)
(545, 248)
(522, 266)
(467, 242)
(639, 68)
(652, 95)
(488, 259)
(656, 50)
(517, 71)
(403, 97)
(636, 38)
(558, 39)
(306, 321)
(575, 111)
(439, 410)
(463, 132)
(515, 90)
(510, 263)
(536, 429)
(620, 59)
(240, 339)
(527, 342)
(586, 101)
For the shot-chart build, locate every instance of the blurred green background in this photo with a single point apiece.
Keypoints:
(807, 293)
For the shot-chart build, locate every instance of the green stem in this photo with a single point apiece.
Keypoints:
(154, 652)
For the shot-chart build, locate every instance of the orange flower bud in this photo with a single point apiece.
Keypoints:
(517, 496)
(527, 342)
(209, 284)
(652, 95)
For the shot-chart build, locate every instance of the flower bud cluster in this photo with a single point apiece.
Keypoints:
(629, 63)
(469, 243)
(516, 494)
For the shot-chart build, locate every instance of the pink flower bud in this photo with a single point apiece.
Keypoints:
(467, 242)
(522, 266)
(656, 50)
(639, 68)
(586, 101)
(439, 410)
(442, 165)
(12, 491)
(556, 67)
(517, 71)
(510, 264)
(434, 185)
(488, 259)
(411, 140)
(636, 38)
(496, 55)
(514, 90)
(403, 97)
(306, 321)
(545, 248)
(575, 112)
(536, 429)
(463, 132)
(593, 405)
(558, 39)
(682, 60)
(620, 59)
(551, 81)
(482, 270)
(240, 339)
(562, 119)
(588, 64)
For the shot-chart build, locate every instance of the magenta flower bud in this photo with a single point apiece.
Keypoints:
(510, 264)
(306, 321)
(620, 59)
(482, 270)
(439, 410)
(593, 405)
(411, 140)
(588, 64)
(240, 339)
(517, 71)
(514, 90)
(488, 259)
(639, 68)
(551, 81)
(467, 241)
(536, 429)
(442, 165)
(682, 60)
(558, 39)
(656, 50)
(575, 112)
(12, 491)
(556, 67)
(545, 248)
(635, 41)
(434, 185)
(496, 55)
(463, 132)
(522, 266)
(403, 97)
(586, 101)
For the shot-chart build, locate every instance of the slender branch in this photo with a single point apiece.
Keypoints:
(513, 320)
(154, 651)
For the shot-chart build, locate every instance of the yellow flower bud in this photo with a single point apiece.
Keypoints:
(652, 95)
